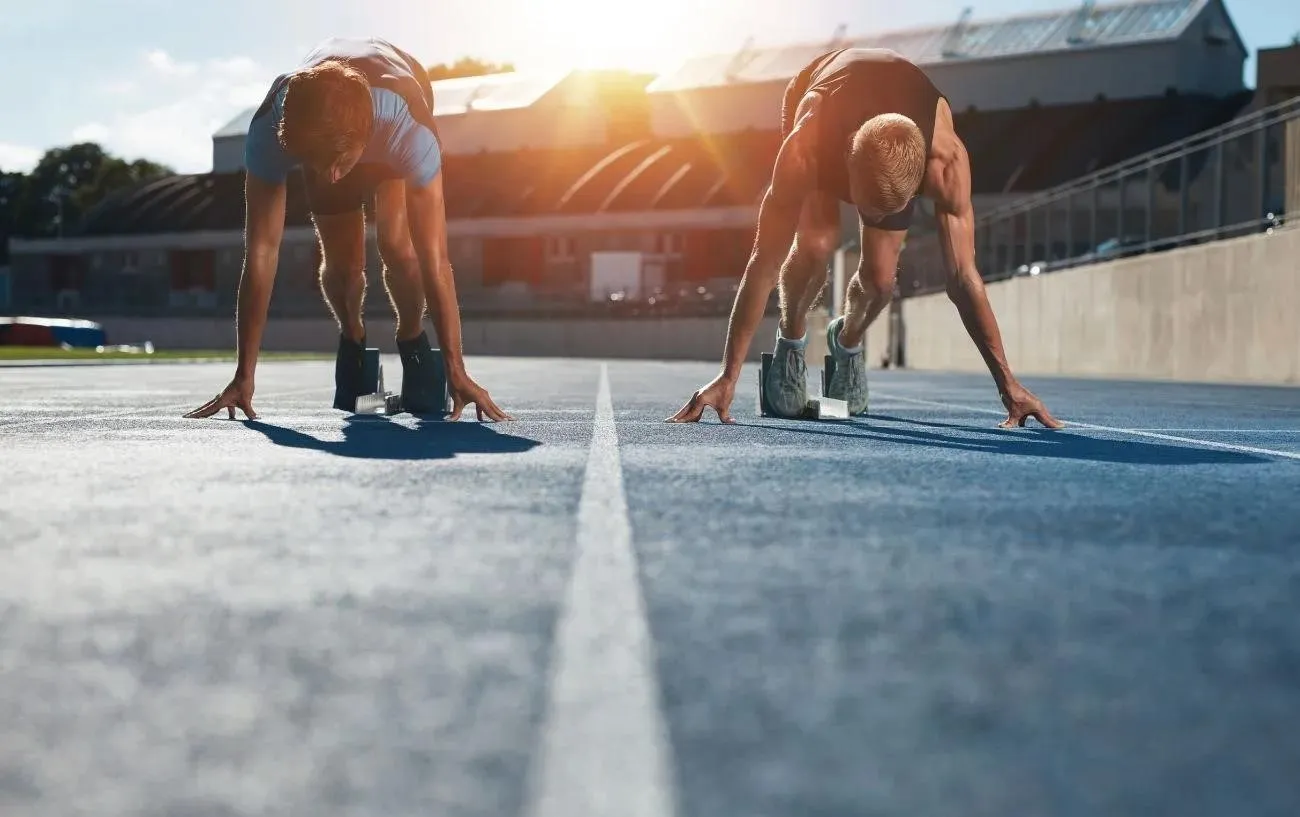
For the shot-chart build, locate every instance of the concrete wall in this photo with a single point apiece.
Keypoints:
(1222, 312)
(1277, 74)
(667, 339)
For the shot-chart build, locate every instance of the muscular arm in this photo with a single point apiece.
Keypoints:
(951, 190)
(778, 219)
(264, 220)
(428, 218)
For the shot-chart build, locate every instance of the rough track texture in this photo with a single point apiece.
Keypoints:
(911, 614)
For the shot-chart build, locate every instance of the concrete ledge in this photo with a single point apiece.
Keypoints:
(663, 339)
(1225, 312)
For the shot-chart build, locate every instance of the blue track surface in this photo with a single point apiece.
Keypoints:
(914, 613)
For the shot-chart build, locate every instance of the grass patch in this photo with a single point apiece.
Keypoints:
(159, 355)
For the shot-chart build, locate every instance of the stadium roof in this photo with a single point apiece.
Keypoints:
(1018, 151)
(493, 92)
(1073, 28)
(237, 126)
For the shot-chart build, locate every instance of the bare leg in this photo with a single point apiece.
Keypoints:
(342, 272)
(803, 277)
(401, 265)
(872, 286)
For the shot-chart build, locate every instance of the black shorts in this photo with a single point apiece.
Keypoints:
(794, 94)
(357, 189)
(350, 193)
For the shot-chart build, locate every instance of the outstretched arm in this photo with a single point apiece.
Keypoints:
(778, 220)
(265, 228)
(956, 222)
(428, 218)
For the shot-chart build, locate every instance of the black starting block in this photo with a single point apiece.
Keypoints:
(379, 400)
(817, 408)
(431, 366)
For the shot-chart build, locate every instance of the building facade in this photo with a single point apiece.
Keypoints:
(542, 171)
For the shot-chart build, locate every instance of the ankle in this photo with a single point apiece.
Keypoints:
(407, 334)
(791, 330)
(355, 344)
(847, 342)
(410, 346)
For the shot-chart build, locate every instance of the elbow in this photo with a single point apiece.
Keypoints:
(962, 284)
(760, 269)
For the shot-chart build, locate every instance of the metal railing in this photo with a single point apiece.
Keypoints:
(1224, 182)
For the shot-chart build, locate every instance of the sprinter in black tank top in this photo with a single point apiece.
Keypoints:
(865, 127)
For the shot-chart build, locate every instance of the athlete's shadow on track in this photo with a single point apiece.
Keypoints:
(378, 438)
(1030, 442)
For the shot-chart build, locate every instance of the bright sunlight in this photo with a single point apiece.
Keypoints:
(600, 34)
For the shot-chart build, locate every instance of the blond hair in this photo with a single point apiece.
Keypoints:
(888, 158)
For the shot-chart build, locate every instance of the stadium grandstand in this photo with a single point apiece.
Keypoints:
(542, 171)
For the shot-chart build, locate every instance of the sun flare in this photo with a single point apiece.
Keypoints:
(601, 34)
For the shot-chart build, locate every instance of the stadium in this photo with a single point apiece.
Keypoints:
(1051, 569)
(545, 173)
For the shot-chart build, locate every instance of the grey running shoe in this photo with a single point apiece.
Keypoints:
(849, 382)
(787, 379)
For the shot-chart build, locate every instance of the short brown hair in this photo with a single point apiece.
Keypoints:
(327, 112)
(888, 158)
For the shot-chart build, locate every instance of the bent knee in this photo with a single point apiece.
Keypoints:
(342, 270)
(399, 258)
(877, 283)
(820, 242)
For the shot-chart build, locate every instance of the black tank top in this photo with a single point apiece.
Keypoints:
(857, 84)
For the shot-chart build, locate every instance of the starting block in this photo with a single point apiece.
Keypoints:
(379, 400)
(817, 408)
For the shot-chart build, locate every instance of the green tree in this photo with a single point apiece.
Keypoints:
(68, 181)
(117, 174)
(467, 67)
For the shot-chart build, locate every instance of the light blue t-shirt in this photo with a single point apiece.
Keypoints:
(398, 141)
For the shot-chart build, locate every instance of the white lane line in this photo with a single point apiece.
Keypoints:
(1226, 430)
(604, 748)
(1244, 449)
(125, 412)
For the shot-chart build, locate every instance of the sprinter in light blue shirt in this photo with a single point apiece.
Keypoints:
(356, 120)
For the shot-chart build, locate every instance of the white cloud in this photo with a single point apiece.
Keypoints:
(91, 132)
(18, 158)
(169, 109)
(161, 62)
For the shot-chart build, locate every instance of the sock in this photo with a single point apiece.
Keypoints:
(797, 343)
(835, 339)
(418, 343)
(348, 344)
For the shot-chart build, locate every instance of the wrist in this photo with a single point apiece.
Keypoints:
(456, 373)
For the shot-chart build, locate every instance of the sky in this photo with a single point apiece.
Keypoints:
(154, 78)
